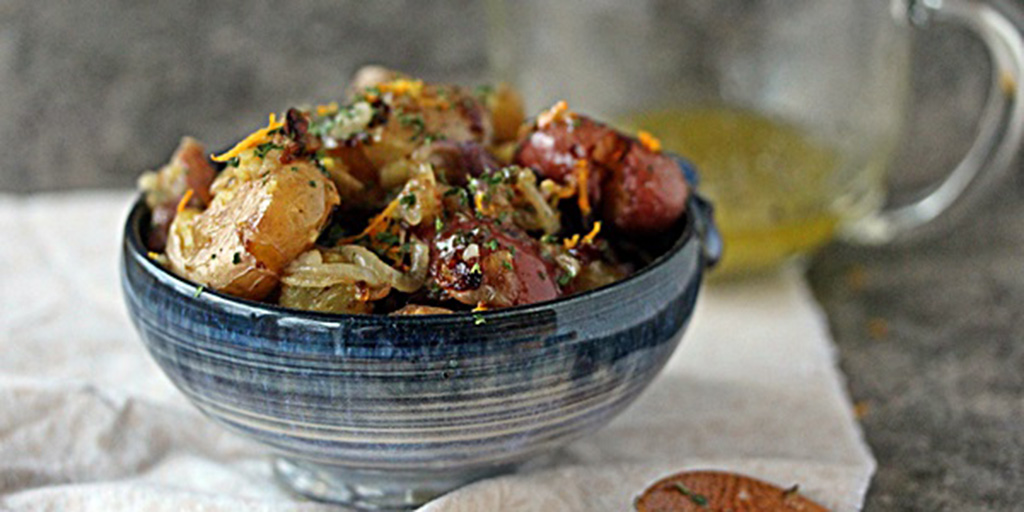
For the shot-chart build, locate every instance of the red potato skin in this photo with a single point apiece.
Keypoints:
(531, 278)
(634, 188)
(191, 155)
(647, 193)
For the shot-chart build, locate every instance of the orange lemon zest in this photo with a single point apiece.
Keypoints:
(649, 141)
(572, 242)
(558, 111)
(402, 86)
(254, 139)
(478, 201)
(589, 239)
(328, 109)
(480, 306)
(582, 176)
(184, 200)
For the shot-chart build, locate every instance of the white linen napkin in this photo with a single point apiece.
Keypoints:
(88, 421)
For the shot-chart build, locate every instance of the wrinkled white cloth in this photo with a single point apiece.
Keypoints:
(88, 421)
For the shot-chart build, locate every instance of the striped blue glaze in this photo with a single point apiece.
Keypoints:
(387, 412)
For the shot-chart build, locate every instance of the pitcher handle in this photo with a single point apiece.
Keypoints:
(1001, 126)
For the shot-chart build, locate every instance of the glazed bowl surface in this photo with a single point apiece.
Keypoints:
(387, 412)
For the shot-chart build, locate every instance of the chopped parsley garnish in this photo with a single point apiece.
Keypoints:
(549, 239)
(438, 224)
(415, 121)
(199, 290)
(492, 244)
(507, 264)
(476, 269)
(479, 319)
(237, 258)
(312, 183)
(564, 279)
(697, 499)
(432, 137)
(408, 200)
(233, 162)
(266, 147)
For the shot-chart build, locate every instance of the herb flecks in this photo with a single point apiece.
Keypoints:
(478, 319)
(266, 147)
(415, 121)
(198, 292)
(697, 499)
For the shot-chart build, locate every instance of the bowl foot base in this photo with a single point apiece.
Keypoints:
(363, 490)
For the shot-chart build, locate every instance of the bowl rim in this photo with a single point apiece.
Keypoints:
(132, 241)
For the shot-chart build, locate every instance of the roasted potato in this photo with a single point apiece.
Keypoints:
(635, 187)
(263, 214)
(477, 262)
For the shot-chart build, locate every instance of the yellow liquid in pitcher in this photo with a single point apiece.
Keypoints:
(772, 186)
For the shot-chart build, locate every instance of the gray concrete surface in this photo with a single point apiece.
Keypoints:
(931, 338)
(93, 92)
(931, 335)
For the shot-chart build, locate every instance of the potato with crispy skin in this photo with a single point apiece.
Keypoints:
(418, 112)
(263, 214)
(477, 262)
(631, 183)
(390, 116)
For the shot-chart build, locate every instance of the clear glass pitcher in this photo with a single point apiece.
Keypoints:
(790, 108)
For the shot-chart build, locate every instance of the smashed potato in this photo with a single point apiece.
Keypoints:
(263, 214)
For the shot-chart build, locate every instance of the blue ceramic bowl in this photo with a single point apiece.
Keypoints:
(388, 412)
